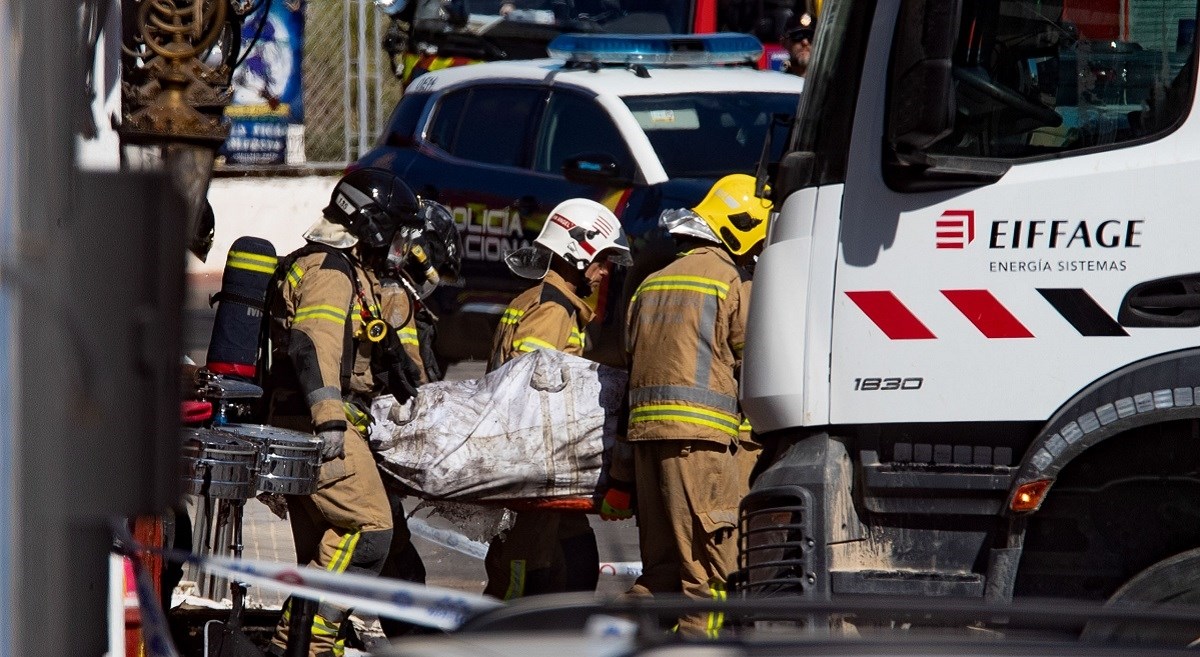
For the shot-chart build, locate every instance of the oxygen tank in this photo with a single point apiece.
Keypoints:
(233, 348)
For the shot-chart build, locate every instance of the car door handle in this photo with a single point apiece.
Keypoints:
(1172, 302)
(525, 206)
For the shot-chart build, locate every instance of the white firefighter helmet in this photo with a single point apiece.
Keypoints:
(577, 230)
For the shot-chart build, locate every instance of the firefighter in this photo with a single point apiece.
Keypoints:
(326, 331)
(550, 552)
(685, 330)
(419, 259)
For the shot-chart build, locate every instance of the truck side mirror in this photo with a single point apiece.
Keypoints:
(922, 105)
(595, 169)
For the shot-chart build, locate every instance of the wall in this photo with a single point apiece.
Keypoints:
(277, 209)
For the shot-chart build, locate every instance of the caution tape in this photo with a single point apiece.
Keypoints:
(420, 604)
(430, 606)
(621, 568)
(451, 539)
(447, 538)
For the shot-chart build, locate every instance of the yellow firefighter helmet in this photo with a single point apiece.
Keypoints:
(734, 213)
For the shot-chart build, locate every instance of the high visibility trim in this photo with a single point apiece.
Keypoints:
(716, 619)
(745, 426)
(295, 273)
(373, 309)
(408, 335)
(345, 550)
(322, 627)
(252, 262)
(324, 394)
(689, 414)
(325, 312)
(699, 284)
(525, 345)
(512, 316)
(516, 579)
(577, 339)
(656, 394)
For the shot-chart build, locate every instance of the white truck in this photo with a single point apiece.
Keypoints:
(974, 340)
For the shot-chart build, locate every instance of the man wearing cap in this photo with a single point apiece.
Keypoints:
(799, 44)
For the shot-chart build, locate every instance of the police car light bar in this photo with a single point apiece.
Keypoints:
(656, 49)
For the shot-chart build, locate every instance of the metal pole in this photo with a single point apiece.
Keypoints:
(346, 112)
(10, 383)
(43, 82)
(360, 68)
(377, 50)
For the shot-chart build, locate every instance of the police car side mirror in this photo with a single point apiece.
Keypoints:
(595, 169)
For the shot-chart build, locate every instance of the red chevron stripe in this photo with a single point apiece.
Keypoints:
(891, 316)
(987, 314)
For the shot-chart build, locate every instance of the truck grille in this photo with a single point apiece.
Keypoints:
(775, 540)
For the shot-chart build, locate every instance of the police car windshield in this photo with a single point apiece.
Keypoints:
(709, 135)
(615, 16)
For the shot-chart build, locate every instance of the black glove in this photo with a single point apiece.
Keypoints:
(426, 337)
(392, 366)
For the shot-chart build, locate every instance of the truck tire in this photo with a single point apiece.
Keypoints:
(1172, 581)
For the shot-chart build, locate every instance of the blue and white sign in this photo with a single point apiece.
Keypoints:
(268, 101)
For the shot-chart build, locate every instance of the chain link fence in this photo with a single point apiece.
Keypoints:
(349, 88)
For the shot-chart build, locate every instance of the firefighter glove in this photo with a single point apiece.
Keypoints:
(333, 444)
(617, 504)
(393, 367)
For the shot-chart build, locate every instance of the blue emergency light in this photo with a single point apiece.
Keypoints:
(657, 49)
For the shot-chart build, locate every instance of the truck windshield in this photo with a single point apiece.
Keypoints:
(831, 88)
(708, 135)
(1034, 78)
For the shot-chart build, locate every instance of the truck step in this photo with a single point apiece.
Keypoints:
(908, 583)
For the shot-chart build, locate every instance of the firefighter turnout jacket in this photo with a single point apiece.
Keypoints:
(685, 332)
(546, 316)
(317, 331)
(399, 313)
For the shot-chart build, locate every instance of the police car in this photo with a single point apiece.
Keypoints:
(638, 123)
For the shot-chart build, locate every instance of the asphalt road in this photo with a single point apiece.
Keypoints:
(268, 537)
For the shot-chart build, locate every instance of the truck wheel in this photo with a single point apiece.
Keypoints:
(1172, 581)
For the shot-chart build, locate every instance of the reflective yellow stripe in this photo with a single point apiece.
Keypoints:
(686, 283)
(373, 309)
(252, 262)
(689, 414)
(516, 579)
(716, 619)
(686, 287)
(408, 335)
(525, 345)
(745, 425)
(577, 339)
(322, 627)
(345, 550)
(512, 316)
(329, 313)
(295, 273)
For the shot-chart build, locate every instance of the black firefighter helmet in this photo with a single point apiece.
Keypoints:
(372, 204)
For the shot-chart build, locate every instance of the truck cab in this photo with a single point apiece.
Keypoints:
(973, 342)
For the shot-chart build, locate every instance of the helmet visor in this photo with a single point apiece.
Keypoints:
(686, 223)
(529, 262)
(618, 257)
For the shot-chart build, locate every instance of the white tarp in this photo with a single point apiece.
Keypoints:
(541, 426)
